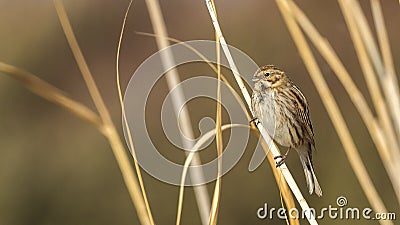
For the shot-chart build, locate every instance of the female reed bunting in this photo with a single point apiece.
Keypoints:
(283, 110)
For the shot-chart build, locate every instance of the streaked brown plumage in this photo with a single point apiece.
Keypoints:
(283, 110)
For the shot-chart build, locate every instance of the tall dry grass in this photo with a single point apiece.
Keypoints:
(381, 126)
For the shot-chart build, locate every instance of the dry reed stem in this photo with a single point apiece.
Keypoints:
(369, 58)
(218, 139)
(287, 195)
(389, 80)
(357, 33)
(332, 108)
(389, 88)
(110, 130)
(172, 77)
(137, 168)
(273, 148)
(383, 39)
(52, 94)
(385, 72)
(366, 35)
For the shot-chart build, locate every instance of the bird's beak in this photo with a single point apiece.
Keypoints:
(255, 79)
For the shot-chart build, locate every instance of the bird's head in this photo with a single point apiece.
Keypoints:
(268, 76)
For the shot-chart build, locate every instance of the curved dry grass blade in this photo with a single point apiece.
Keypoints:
(110, 130)
(207, 136)
(53, 94)
(138, 172)
(332, 108)
(177, 97)
(273, 149)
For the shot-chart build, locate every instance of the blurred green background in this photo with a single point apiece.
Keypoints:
(56, 169)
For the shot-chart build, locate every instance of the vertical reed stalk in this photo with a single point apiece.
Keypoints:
(218, 138)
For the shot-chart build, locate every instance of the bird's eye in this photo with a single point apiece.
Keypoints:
(267, 74)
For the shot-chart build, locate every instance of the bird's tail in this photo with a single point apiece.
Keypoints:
(312, 182)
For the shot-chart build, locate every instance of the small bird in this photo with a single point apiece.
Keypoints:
(283, 110)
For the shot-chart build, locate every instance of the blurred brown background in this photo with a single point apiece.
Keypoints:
(56, 169)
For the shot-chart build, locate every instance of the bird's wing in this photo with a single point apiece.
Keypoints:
(303, 114)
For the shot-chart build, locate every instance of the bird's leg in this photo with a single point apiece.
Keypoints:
(282, 157)
(255, 121)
